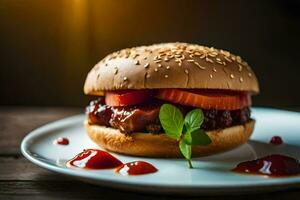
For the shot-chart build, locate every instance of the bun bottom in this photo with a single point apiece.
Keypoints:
(160, 145)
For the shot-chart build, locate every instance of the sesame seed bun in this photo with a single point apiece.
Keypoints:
(171, 65)
(160, 145)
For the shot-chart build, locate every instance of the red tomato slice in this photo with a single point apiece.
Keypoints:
(128, 97)
(207, 99)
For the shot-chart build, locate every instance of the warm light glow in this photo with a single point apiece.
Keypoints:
(75, 35)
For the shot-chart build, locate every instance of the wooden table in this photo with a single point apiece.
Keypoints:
(20, 179)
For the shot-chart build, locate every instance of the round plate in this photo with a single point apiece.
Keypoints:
(211, 174)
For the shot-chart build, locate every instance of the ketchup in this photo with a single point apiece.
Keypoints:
(271, 165)
(276, 140)
(94, 159)
(61, 141)
(136, 168)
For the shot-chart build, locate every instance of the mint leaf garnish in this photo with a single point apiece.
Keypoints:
(186, 151)
(187, 131)
(171, 120)
(199, 137)
(194, 119)
(187, 138)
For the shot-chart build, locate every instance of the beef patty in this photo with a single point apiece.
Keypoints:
(144, 118)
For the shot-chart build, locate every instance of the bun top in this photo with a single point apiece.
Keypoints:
(171, 65)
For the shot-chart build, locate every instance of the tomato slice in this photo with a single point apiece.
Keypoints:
(207, 99)
(128, 97)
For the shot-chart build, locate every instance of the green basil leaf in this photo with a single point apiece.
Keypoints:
(187, 138)
(199, 137)
(194, 119)
(185, 149)
(171, 120)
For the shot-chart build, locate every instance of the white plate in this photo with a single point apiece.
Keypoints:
(211, 175)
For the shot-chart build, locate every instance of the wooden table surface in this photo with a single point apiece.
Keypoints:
(20, 179)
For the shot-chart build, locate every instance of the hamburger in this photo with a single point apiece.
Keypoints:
(131, 85)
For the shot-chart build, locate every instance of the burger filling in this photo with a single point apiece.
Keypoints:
(138, 110)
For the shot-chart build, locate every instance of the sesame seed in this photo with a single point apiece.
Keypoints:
(241, 79)
(211, 76)
(168, 67)
(148, 76)
(209, 60)
(218, 59)
(232, 76)
(156, 69)
(98, 76)
(170, 56)
(244, 63)
(125, 78)
(214, 69)
(116, 70)
(249, 74)
(159, 65)
(240, 68)
(137, 62)
(166, 76)
(186, 71)
(228, 59)
(166, 59)
(201, 67)
(157, 61)
(190, 60)
(146, 65)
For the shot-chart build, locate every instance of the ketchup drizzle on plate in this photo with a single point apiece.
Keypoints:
(136, 168)
(94, 159)
(61, 141)
(272, 165)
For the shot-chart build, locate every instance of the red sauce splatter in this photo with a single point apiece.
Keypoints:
(271, 165)
(276, 140)
(61, 141)
(94, 159)
(136, 168)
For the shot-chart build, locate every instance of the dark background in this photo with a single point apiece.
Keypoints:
(48, 46)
